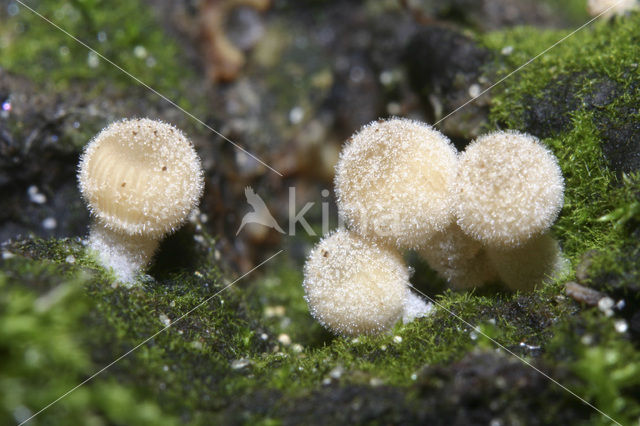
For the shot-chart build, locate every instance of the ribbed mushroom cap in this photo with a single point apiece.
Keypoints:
(458, 258)
(531, 265)
(393, 182)
(354, 286)
(140, 177)
(509, 189)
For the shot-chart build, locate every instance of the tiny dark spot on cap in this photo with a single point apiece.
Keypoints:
(123, 184)
(325, 253)
(155, 132)
(135, 133)
(164, 168)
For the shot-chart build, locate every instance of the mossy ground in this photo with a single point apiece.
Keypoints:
(61, 319)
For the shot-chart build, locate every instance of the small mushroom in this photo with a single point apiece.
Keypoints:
(354, 286)
(393, 182)
(509, 189)
(140, 179)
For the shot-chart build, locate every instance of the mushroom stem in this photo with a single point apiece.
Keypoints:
(125, 254)
(538, 261)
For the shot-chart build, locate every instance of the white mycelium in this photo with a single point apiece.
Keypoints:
(140, 179)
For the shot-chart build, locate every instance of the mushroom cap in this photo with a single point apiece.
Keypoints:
(531, 265)
(458, 258)
(393, 182)
(140, 177)
(509, 188)
(354, 286)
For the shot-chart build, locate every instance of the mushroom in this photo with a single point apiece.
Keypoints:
(530, 265)
(509, 189)
(354, 286)
(393, 182)
(458, 258)
(140, 179)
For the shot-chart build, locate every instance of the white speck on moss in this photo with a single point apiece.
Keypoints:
(296, 115)
(284, 339)
(164, 319)
(140, 52)
(70, 259)
(35, 196)
(621, 326)
(606, 305)
(376, 382)
(507, 50)
(49, 223)
(475, 90)
(93, 60)
(274, 311)
(238, 364)
(336, 372)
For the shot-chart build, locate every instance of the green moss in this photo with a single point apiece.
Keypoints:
(606, 363)
(128, 35)
(44, 355)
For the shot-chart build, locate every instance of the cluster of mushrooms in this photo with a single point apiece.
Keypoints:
(478, 216)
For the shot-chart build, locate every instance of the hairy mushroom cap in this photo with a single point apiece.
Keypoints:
(509, 189)
(458, 258)
(531, 265)
(354, 286)
(140, 177)
(393, 182)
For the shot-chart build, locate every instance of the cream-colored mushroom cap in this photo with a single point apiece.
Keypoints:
(509, 189)
(354, 286)
(393, 182)
(140, 177)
